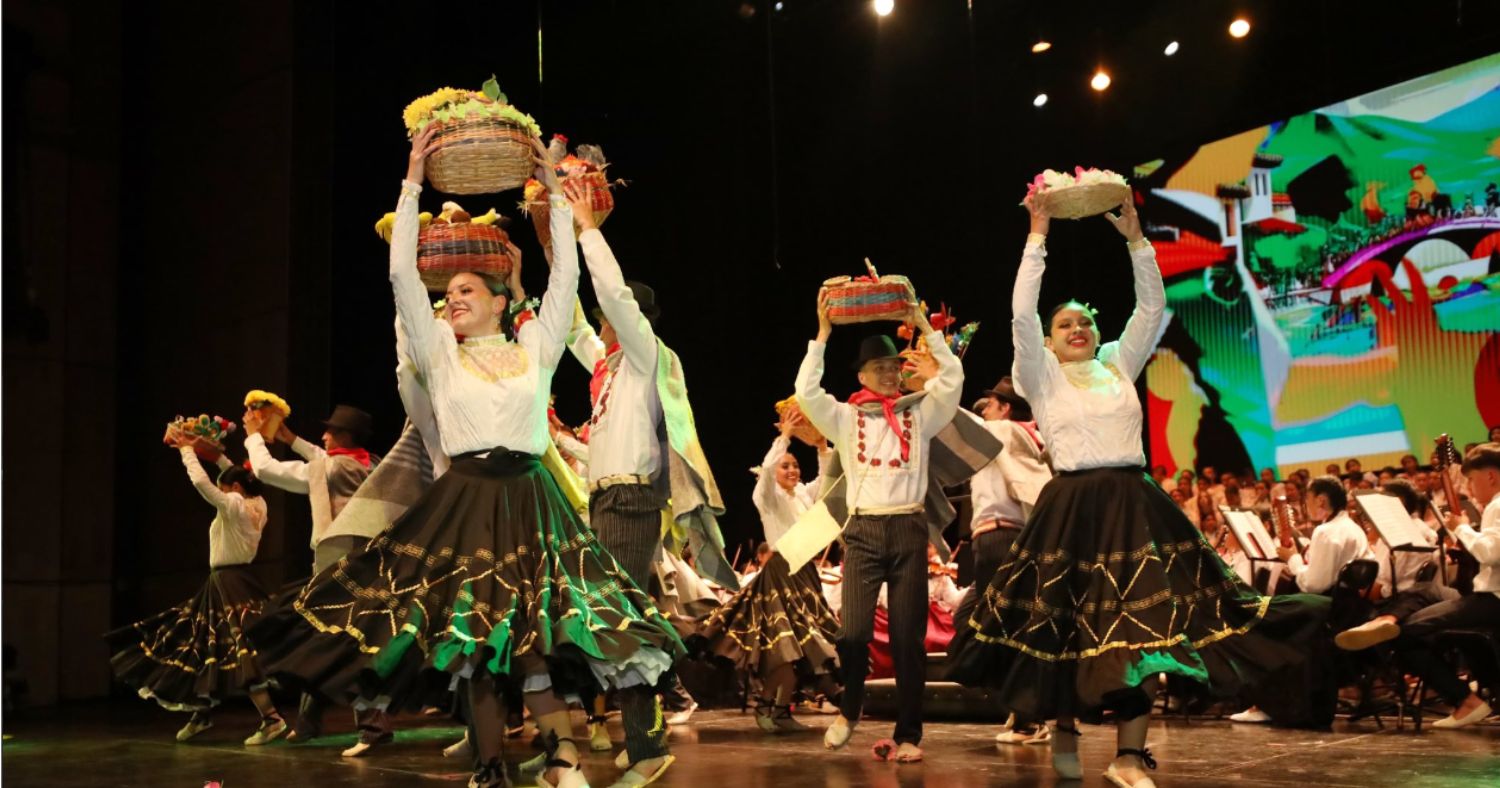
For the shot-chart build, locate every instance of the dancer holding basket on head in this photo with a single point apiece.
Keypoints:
(490, 576)
(1108, 584)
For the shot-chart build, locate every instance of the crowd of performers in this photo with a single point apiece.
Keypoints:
(496, 558)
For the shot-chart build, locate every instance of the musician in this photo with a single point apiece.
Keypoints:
(1335, 543)
(1408, 563)
(1413, 631)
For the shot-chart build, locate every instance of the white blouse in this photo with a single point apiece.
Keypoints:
(234, 535)
(1017, 468)
(1088, 411)
(779, 508)
(487, 392)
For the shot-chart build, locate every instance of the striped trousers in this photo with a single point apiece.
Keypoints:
(890, 549)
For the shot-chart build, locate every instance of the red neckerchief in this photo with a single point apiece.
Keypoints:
(1030, 427)
(887, 404)
(601, 371)
(361, 456)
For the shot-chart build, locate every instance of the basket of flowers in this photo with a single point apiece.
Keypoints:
(483, 144)
(274, 409)
(206, 432)
(1087, 192)
(585, 166)
(868, 298)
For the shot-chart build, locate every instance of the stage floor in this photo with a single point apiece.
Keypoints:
(130, 744)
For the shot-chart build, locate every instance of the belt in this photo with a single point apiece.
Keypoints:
(994, 523)
(878, 511)
(619, 479)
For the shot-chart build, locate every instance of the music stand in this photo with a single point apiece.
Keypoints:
(1254, 539)
(1394, 525)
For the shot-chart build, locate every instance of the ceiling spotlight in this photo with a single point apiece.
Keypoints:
(1100, 81)
(1041, 98)
(1239, 28)
(885, 7)
(1171, 49)
(1041, 46)
(780, 6)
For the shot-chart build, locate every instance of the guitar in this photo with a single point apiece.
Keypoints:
(1284, 518)
(1465, 564)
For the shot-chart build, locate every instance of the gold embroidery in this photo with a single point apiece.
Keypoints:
(492, 359)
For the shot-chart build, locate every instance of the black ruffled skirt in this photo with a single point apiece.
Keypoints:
(778, 619)
(492, 571)
(1108, 585)
(195, 654)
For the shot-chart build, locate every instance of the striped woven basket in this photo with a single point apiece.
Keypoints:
(868, 298)
(445, 249)
(479, 154)
(540, 211)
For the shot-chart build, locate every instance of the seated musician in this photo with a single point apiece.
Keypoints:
(1408, 564)
(1335, 543)
(1413, 631)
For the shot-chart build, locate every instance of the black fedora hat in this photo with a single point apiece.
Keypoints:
(644, 297)
(350, 419)
(875, 348)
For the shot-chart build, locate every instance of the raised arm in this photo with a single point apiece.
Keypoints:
(413, 309)
(631, 327)
(547, 336)
(1139, 338)
(820, 408)
(1025, 323)
(204, 485)
(945, 389)
(289, 475)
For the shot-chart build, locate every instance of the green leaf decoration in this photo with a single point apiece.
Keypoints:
(491, 90)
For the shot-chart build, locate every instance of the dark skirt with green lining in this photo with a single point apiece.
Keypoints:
(1108, 585)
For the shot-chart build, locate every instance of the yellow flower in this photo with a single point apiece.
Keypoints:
(419, 112)
(387, 224)
(489, 218)
(264, 399)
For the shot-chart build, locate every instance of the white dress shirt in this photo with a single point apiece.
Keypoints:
(1334, 544)
(1006, 488)
(1088, 411)
(486, 392)
(234, 535)
(1408, 563)
(779, 508)
(1484, 545)
(328, 480)
(869, 450)
(623, 437)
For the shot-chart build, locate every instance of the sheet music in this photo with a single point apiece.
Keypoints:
(1391, 521)
(1250, 532)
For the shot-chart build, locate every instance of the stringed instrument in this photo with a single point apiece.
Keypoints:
(1284, 517)
(1466, 565)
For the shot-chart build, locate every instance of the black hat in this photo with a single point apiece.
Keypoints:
(644, 297)
(875, 348)
(350, 419)
(1005, 391)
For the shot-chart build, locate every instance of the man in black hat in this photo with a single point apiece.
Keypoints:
(884, 443)
(328, 475)
(643, 453)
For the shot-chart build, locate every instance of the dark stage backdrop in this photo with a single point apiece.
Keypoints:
(190, 191)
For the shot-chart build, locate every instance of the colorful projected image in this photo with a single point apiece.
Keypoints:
(1333, 282)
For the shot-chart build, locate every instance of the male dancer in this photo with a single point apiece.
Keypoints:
(883, 442)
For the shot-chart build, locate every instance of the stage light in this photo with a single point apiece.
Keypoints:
(780, 6)
(1041, 46)
(1239, 28)
(1100, 81)
(1171, 49)
(1041, 98)
(885, 7)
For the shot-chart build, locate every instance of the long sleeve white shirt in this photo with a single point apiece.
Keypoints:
(488, 391)
(289, 475)
(780, 508)
(1484, 545)
(623, 429)
(1088, 411)
(869, 450)
(234, 535)
(1017, 468)
(1334, 544)
(328, 480)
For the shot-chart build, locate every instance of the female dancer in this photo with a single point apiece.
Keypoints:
(778, 628)
(1108, 584)
(490, 576)
(194, 655)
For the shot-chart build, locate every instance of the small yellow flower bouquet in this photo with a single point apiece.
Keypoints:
(276, 411)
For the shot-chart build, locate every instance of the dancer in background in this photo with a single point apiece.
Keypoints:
(195, 655)
(1109, 584)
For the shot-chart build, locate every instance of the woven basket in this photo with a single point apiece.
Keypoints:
(806, 432)
(600, 198)
(480, 154)
(445, 249)
(864, 301)
(1077, 202)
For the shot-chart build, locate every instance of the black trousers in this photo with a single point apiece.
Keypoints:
(989, 550)
(890, 549)
(1415, 649)
(626, 518)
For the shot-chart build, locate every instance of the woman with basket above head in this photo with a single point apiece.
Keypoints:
(490, 575)
(195, 655)
(1108, 584)
(883, 441)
